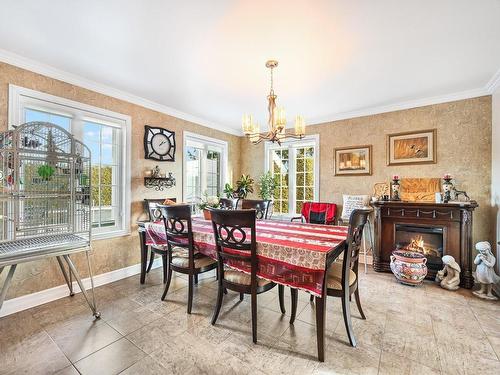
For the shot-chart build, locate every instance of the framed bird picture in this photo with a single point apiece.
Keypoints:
(159, 144)
(412, 147)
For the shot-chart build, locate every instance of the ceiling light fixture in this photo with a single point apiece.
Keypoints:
(277, 120)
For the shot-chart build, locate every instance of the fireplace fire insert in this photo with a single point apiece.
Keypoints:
(427, 240)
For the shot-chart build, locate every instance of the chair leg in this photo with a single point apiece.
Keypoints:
(358, 303)
(151, 260)
(164, 260)
(294, 294)
(311, 299)
(190, 293)
(196, 279)
(346, 311)
(254, 317)
(281, 293)
(167, 284)
(220, 294)
(241, 296)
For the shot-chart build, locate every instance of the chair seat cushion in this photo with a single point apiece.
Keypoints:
(334, 276)
(182, 260)
(242, 278)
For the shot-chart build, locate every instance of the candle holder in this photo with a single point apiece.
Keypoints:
(447, 187)
(395, 189)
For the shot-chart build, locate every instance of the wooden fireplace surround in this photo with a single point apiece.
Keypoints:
(454, 218)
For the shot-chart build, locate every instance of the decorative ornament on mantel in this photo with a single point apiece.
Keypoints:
(276, 121)
(396, 188)
(447, 187)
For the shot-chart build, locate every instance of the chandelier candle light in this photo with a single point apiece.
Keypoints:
(276, 121)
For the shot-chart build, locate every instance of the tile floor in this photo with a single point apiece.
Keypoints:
(424, 330)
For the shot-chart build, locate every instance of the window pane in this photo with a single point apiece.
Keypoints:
(105, 171)
(37, 115)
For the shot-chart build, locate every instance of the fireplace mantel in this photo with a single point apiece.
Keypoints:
(455, 218)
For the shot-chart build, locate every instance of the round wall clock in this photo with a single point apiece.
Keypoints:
(159, 144)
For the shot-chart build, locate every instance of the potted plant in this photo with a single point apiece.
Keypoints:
(244, 186)
(267, 185)
(206, 203)
(229, 191)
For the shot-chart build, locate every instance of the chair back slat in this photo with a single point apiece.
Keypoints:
(178, 225)
(151, 207)
(260, 206)
(235, 234)
(357, 222)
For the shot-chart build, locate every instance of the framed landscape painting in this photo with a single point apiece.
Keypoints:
(353, 161)
(411, 147)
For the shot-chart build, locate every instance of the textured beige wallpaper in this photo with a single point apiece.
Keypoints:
(463, 149)
(119, 252)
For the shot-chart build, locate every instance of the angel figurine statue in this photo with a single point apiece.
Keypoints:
(485, 274)
(449, 276)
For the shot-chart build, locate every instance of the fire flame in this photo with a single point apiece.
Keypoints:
(417, 244)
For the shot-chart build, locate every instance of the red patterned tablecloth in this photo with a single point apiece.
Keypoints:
(292, 254)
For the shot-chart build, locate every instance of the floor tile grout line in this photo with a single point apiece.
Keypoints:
(482, 329)
(60, 349)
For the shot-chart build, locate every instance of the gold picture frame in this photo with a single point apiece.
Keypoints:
(353, 161)
(416, 147)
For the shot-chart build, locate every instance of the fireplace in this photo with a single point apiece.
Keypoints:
(433, 229)
(424, 239)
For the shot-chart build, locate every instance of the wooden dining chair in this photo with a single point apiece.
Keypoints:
(181, 253)
(260, 206)
(235, 239)
(342, 277)
(317, 213)
(154, 214)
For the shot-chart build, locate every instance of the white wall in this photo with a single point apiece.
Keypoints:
(495, 167)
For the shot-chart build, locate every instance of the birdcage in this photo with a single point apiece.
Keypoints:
(45, 205)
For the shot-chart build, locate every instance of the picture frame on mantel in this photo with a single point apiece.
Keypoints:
(416, 147)
(353, 161)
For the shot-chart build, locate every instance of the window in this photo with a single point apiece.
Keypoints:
(295, 168)
(107, 136)
(205, 166)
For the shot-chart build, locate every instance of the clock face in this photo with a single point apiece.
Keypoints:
(159, 144)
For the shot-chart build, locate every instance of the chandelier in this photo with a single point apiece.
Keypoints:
(276, 121)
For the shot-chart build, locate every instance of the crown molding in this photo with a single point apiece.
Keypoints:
(61, 75)
(493, 84)
(402, 105)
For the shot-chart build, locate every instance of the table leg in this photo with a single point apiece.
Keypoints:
(144, 255)
(320, 325)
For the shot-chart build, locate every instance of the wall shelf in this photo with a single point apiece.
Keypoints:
(159, 183)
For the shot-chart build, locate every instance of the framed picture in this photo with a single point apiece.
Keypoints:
(353, 161)
(412, 147)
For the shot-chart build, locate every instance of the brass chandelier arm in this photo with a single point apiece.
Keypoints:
(257, 138)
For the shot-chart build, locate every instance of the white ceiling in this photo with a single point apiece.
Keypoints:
(206, 58)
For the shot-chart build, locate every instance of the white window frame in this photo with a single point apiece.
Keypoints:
(292, 145)
(207, 141)
(21, 98)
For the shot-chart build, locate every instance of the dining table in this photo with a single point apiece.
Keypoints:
(292, 254)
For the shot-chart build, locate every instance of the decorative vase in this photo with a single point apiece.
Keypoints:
(409, 267)
(395, 187)
(207, 215)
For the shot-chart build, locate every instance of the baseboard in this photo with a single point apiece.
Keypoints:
(27, 301)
